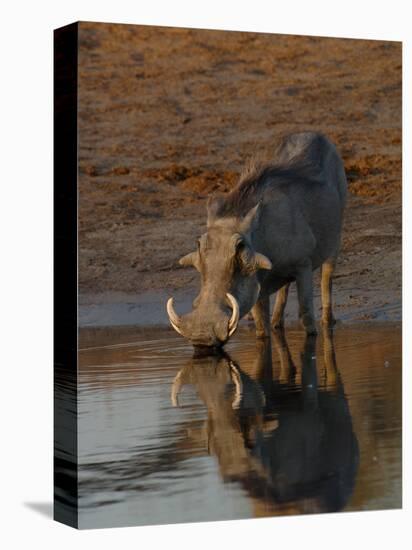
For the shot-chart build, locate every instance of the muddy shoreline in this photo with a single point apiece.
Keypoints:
(149, 309)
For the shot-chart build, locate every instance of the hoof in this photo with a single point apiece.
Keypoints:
(309, 325)
(328, 322)
(310, 329)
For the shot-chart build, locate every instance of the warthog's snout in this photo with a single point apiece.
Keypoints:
(214, 335)
(207, 325)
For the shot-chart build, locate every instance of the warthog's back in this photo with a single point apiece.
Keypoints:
(302, 195)
(302, 161)
(315, 150)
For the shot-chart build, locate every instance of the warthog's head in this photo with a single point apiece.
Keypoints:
(228, 267)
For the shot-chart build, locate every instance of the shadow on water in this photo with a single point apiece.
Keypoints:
(288, 444)
(286, 426)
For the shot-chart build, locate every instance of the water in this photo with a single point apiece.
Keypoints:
(295, 427)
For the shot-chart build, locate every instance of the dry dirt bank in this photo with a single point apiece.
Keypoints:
(168, 116)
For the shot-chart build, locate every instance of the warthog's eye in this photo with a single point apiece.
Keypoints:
(242, 256)
(240, 245)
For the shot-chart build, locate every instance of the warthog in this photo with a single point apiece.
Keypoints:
(281, 222)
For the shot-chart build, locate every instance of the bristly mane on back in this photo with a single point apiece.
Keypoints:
(258, 176)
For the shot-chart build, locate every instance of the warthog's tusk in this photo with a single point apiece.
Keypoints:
(235, 313)
(173, 316)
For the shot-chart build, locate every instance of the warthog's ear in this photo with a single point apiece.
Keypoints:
(262, 262)
(190, 260)
(213, 204)
(251, 219)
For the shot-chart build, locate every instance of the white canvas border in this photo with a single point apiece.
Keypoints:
(26, 272)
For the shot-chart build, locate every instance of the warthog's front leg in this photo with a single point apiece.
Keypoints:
(261, 315)
(304, 284)
(326, 286)
(278, 316)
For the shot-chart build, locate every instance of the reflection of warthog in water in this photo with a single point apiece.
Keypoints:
(282, 221)
(288, 445)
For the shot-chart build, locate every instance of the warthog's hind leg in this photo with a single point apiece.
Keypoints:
(278, 316)
(261, 315)
(328, 268)
(304, 284)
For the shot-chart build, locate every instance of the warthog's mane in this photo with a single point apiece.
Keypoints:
(258, 176)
